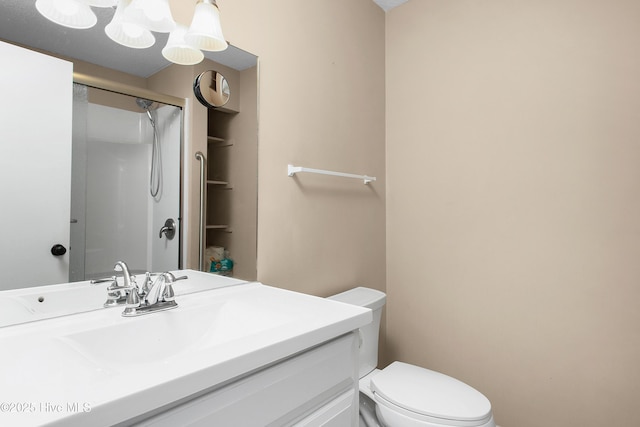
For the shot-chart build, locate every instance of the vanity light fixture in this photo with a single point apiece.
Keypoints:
(101, 3)
(179, 51)
(126, 31)
(205, 31)
(68, 13)
(135, 21)
(155, 15)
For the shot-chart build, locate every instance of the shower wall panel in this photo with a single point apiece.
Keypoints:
(123, 221)
(117, 190)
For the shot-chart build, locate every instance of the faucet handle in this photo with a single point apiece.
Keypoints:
(132, 282)
(133, 303)
(169, 295)
(133, 299)
(148, 282)
(156, 291)
(171, 278)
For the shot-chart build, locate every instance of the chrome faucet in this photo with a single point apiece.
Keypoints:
(125, 272)
(116, 294)
(159, 297)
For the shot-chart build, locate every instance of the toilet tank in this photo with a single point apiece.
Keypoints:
(375, 300)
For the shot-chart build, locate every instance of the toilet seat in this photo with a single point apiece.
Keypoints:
(424, 395)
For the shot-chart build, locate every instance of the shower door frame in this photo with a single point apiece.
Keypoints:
(111, 86)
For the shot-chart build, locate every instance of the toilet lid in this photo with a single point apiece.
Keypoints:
(430, 393)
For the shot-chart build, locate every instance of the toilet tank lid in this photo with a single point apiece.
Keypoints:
(430, 393)
(363, 297)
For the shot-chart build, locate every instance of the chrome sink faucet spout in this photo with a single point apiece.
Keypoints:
(160, 296)
(117, 294)
(125, 272)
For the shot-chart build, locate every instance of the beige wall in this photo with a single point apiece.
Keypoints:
(243, 161)
(321, 106)
(513, 203)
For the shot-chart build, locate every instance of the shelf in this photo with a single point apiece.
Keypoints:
(220, 227)
(218, 142)
(223, 185)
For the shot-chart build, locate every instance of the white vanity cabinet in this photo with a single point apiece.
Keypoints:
(317, 387)
(243, 355)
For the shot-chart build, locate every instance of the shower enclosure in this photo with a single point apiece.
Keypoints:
(125, 184)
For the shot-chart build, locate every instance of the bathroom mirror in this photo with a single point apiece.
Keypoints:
(211, 89)
(92, 46)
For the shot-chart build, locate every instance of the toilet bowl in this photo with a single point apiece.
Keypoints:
(404, 395)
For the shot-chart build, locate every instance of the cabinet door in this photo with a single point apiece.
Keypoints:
(35, 166)
(337, 413)
(315, 388)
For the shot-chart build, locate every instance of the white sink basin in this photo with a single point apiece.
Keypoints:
(45, 302)
(47, 358)
(201, 322)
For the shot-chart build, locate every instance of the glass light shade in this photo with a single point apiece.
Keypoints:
(101, 3)
(178, 51)
(205, 31)
(154, 15)
(121, 30)
(68, 13)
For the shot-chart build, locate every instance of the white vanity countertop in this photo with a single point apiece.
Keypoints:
(44, 302)
(99, 368)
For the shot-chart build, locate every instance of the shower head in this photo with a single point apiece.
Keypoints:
(144, 103)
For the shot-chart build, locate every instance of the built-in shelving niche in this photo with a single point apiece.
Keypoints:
(219, 186)
(232, 174)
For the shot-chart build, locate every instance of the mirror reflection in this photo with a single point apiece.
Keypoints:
(211, 89)
(230, 221)
(125, 184)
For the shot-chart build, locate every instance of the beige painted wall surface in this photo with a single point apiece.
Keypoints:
(513, 203)
(321, 97)
(321, 106)
(243, 162)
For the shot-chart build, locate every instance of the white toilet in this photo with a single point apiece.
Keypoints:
(403, 395)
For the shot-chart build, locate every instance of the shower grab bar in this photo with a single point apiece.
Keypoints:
(203, 179)
(292, 170)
